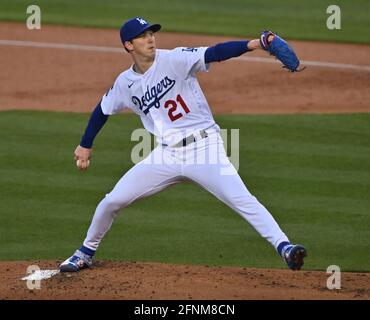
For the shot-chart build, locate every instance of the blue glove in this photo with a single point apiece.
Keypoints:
(280, 49)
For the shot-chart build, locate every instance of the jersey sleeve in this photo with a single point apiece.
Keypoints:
(188, 61)
(115, 99)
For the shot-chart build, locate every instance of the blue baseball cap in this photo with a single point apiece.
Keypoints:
(136, 26)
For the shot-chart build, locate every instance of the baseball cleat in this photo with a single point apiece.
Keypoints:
(293, 255)
(77, 262)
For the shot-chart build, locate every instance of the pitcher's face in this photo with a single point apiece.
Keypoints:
(143, 44)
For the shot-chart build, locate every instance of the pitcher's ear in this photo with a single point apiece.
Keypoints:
(128, 46)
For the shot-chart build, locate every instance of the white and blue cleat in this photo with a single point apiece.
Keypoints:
(293, 255)
(77, 262)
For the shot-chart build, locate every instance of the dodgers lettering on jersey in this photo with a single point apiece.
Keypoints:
(153, 95)
(167, 96)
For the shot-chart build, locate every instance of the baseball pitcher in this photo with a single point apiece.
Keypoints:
(161, 87)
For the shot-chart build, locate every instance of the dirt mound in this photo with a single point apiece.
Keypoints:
(142, 281)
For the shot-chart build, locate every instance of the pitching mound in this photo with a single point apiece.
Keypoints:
(142, 281)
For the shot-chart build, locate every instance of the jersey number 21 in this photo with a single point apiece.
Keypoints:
(172, 105)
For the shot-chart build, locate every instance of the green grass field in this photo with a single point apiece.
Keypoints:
(311, 171)
(303, 19)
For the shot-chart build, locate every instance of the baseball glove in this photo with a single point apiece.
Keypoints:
(281, 50)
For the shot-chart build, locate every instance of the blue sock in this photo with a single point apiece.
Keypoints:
(87, 251)
(281, 246)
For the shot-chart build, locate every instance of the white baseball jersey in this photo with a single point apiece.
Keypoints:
(167, 96)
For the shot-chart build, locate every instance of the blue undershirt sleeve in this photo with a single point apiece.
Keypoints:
(226, 50)
(96, 122)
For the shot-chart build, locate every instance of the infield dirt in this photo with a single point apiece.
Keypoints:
(75, 80)
(143, 281)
